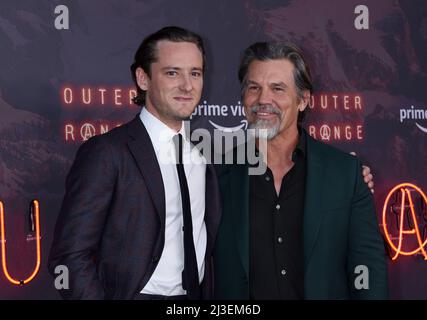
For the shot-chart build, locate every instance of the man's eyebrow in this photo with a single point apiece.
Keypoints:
(279, 84)
(170, 68)
(251, 82)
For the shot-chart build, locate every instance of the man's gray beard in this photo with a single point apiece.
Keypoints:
(272, 130)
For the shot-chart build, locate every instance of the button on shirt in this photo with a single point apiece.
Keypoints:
(276, 254)
(167, 277)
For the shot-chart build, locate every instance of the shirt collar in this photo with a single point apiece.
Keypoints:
(300, 149)
(158, 131)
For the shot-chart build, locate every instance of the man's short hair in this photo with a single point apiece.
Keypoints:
(264, 51)
(147, 52)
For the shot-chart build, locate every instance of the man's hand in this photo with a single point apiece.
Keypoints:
(367, 175)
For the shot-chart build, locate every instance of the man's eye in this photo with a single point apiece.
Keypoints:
(252, 88)
(171, 73)
(196, 74)
(277, 89)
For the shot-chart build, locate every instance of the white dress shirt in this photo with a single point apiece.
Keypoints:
(167, 277)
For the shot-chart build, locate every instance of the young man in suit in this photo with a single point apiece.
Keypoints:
(131, 225)
(307, 227)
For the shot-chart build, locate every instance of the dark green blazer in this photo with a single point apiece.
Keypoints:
(340, 230)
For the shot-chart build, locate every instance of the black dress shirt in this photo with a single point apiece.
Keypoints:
(276, 250)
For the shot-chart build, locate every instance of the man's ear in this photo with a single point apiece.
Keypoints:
(305, 100)
(141, 78)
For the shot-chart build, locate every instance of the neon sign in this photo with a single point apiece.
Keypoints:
(97, 96)
(403, 208)
(35, 226)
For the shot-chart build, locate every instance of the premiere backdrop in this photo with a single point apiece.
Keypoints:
(58, 87)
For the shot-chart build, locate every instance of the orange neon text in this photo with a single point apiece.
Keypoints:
(97, 96)
(35, 215)
(408, 225)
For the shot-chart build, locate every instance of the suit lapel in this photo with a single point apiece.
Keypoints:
(313, 204)
(239, 183)
(143, 152)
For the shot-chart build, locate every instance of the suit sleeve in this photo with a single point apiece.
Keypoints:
(88, 193)
(366, 246)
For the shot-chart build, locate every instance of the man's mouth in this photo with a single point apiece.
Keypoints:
(265, 112)
(261, 114)
(183, 99)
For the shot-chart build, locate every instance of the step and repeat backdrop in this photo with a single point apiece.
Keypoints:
(64, 77)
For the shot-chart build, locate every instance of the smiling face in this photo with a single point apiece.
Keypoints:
(175, 86)
(270, 97)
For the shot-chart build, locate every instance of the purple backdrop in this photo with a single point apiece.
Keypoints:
(57, 87)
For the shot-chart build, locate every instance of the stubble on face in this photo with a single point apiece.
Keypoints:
(271, 126)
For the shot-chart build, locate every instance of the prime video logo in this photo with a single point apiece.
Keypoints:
(414, 114)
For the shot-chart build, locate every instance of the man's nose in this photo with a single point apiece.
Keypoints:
(186, 83)
(264, 97)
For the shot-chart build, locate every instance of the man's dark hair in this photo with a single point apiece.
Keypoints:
(147, 52)
(264, 51)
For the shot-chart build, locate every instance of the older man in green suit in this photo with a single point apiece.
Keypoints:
(306, 228)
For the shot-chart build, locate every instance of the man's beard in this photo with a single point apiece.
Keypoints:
(268, 127)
